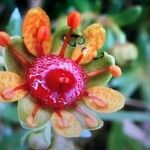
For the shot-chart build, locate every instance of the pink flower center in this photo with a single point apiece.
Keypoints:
(56, 82)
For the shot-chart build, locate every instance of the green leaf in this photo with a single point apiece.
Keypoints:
(123, 115)
(25, 108)
(127, 17)
(12, 141)
(57, 41)
(10, 61)
(117, 140)
(9, 113)
(83, 6)
(14, 25)
(128, 82)
(103, 62)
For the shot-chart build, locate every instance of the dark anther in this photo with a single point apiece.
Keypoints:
(74, 40)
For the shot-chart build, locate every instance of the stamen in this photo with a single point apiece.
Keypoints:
(43, 34)
(115, 71)
(6, 42)
(64, 46)
(19, 56)
(97, 100)
(73, 22)
(91, 121)
(4, 39)
(31, 119)
(61, 121)
(96, 72)
(9, 93)
(84, 51)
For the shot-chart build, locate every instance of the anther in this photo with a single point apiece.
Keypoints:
(74, 19)
(4, 39)
(115, 71)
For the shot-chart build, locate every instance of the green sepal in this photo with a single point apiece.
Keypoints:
(10, 61)
(40, 139)
(57, 41)
(25, 108)
(127, 17)
(105, 61)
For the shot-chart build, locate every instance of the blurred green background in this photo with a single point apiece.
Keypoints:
(127, 27)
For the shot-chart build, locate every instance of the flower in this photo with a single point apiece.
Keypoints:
(63, 85)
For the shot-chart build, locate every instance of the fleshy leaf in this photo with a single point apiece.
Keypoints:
(57, 40)
(103, 62)
(10, 61)
(25, 108)
(95, 38)
(14, 25)
(11, 80)
(40, 139)
(34, 19)
(127, 17)
(114, 99)
(73, 128)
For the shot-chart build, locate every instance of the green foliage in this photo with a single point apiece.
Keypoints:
(15, 22)
(128, 16)
(117, 140)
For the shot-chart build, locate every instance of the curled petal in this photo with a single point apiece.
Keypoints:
(34, 19)
(114, 100)
(25, 109)
(95, 38)
(67, 125)
(9, 81)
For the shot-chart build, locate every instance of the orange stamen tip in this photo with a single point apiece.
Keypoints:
(43, 33)
(8, 93)
(100, 103)
(91, 121)
(30, 121)
(62, 122)
(4, 39)
(74, 19)
(115, 71)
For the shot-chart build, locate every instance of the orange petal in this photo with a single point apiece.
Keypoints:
(8, 81)
(95, 38)
(67, 126)
(34, 19)
(114, 99)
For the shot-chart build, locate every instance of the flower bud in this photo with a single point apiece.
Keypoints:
(74, 19)
(4, 39)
